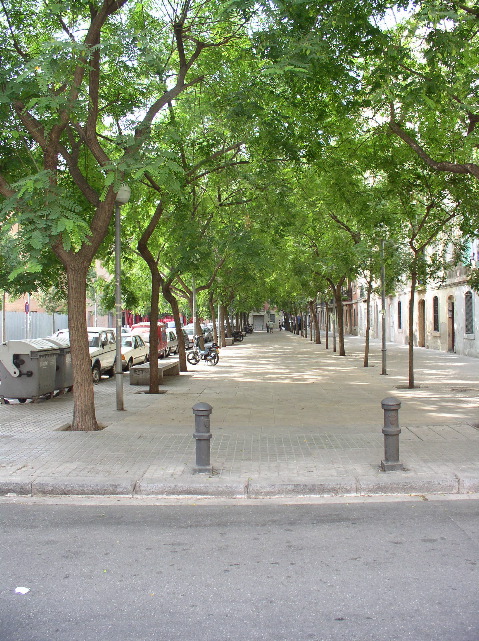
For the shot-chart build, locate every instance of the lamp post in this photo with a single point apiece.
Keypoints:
(122, 197)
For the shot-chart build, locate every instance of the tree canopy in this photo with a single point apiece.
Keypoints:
(270, 147)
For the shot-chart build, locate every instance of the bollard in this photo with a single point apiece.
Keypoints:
(202, 435)
(391, 431)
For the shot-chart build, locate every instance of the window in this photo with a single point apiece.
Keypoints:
(435, 313)
(468, 312)
(399, 315)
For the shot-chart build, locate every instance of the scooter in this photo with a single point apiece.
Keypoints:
(209, 354)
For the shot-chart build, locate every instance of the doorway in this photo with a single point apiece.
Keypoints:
(258, 322)
(451, 335)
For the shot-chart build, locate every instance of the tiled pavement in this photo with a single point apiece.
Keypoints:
(289, 418)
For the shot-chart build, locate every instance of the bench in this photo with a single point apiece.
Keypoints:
(140, 374)
(229, 341)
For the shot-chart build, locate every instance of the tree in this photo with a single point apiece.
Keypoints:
(80, 124)
(424, 85)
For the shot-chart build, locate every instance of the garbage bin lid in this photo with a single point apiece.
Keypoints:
(61, 342)
(29, 346)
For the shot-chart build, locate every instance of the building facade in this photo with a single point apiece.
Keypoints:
(446, 315)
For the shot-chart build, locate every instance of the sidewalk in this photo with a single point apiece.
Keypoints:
(289, 419)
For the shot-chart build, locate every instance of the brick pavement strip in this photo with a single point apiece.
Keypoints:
(272, 434)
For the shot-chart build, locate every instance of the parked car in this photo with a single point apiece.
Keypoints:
(190, 334)
(171, 341)
(185, 338)
(134, 351)
(191, 331)
(102, 346)
(143, 330)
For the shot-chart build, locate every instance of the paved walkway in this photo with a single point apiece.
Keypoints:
(289, 418)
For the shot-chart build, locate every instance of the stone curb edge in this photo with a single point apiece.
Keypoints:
(389, 483)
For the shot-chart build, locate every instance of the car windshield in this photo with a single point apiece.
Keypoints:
(94, 341)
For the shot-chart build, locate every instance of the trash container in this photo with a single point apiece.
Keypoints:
(27, 369)
(64, 370)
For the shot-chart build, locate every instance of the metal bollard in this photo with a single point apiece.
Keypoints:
(202, 435)
(391, 431)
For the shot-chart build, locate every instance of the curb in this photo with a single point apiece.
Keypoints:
(391, 483)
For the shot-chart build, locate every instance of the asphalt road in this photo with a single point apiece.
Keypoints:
(311, 572)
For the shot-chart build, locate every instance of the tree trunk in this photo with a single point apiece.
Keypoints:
(199, 332)
(327, 326)
(339, 312)
(411, 328)
(340, 317)
(335, 315)
(287, 324)
(368, 323)
(171, 299)
(226, 317)
(221, 324)
(156, 281)
(84, 416)
(314, 316)
(211, 305)
(155, 294)
(76, 265)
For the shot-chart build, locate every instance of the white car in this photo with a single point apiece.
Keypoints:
(102, 346)
(190, 332)
(134, 351)
(171, 341)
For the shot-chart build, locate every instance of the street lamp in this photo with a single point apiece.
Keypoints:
(122, 197)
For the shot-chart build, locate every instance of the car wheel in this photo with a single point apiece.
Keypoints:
(167, 352)
(96, 373)
(129, 365)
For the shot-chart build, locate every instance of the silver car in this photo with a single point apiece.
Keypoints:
(133, 351)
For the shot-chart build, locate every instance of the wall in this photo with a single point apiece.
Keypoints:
(19, 325)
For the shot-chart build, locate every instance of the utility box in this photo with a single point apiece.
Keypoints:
(64, 369)
(27, 369)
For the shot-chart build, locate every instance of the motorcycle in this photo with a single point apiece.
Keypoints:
(248, 329)
(238, 335)
(209, 354)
